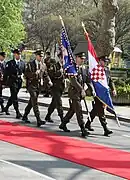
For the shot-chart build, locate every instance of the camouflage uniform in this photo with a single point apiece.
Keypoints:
(75, 95)
(55, 73)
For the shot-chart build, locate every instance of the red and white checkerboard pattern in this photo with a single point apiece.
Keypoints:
(98, 73)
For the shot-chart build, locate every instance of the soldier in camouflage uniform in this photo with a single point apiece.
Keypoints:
(55, 73)
(35, 72)
(98, 106)
(76, 92)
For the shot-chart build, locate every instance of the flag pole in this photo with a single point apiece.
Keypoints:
(116, 117)
(83, 25)
(62, 22)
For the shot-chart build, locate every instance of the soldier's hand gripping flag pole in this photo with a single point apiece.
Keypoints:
(98, 78)
(68, 57)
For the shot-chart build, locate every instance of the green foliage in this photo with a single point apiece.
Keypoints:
(120, 69)
(119, 82)
(127, 81)
(123, 90)
(11, 26)
(122, 86)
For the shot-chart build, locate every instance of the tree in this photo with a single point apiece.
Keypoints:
(94, 13)
(106, 38)
(11, 26)
(44, 25)
(123, 24)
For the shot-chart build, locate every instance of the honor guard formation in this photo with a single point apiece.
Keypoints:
(49, 74)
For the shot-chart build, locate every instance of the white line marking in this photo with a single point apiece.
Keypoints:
(126, 136)
(28, 170)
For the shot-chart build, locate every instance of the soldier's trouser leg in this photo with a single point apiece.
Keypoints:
(1, 99)
(102, 119)
(51, 109)
(59, 105)
(13, 99)
(34, 98)
(67, 118)
(69, 114)
(93, 113)
(52, 106)
(77, 107)
(28, 108)
(76, 104)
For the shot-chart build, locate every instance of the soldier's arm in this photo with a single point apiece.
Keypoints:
(24, 66)
(6, 72)
(111, 85)
(59, 70)
(76, 84)
(44, 75)
(28, 73)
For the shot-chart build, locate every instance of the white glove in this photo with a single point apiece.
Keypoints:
(85, 86)
(83, 94)
(50, 83)
(41, 82)
(37, 72)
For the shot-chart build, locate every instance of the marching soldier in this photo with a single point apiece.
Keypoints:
(98, 106)
(2, 68)
(76, 92)
(13, 78)
(35, 72)
(55, 72)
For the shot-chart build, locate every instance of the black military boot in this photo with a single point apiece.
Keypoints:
(48, 119)
(107, 132)
(64, 127)
(2, 108)
(18, 115)
(40, 122)
(25, 119)
(84, 131)
(6, 111)
(88, 125)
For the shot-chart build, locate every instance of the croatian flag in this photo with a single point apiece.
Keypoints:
(67, 54)
(98, 78)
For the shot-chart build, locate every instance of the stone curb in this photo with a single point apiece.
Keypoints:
(124, 119)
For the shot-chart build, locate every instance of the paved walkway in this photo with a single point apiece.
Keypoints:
(20, 163)
(122, 111)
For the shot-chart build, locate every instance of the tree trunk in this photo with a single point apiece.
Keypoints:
(106, 39)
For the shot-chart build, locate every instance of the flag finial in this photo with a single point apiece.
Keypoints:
(83, 25)
(62, 22)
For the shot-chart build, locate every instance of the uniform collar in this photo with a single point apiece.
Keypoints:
(2, 62)
(17, 60)
(37, 63)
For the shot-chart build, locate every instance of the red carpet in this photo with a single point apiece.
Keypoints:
(88, 154)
